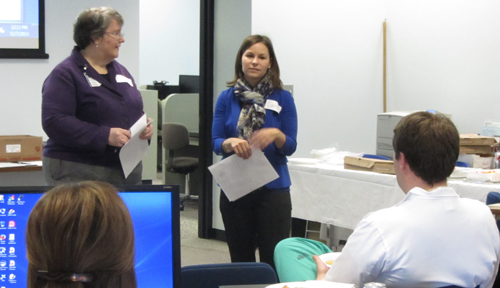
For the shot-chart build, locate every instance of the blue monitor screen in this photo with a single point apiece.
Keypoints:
(155, 215)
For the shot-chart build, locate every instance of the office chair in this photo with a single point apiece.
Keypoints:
(373, 156)
(215, 275)
(175, 137)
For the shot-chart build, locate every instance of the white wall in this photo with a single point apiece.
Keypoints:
(232, 24)
(169, 40)
(442, 55)
(21, 79)
(445, 55)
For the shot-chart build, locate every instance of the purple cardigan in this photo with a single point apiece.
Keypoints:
(79, 107)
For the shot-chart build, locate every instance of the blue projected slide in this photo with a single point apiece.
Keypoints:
(19, 24)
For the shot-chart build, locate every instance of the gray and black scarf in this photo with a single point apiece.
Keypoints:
(253, 114)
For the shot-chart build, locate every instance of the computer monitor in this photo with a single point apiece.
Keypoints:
(189, 84)
(155, 216)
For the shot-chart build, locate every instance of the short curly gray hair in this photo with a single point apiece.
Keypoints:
(92, 23)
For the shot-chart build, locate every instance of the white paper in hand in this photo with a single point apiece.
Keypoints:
(134, 150)
(238, 177)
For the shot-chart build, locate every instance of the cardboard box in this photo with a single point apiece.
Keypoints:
(477, 161)
(368, 164)
(474, 139)
(476, 149)
(20, 148)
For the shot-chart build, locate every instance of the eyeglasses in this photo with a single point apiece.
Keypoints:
(116, 35)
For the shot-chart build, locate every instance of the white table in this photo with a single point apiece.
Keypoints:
(332, 195)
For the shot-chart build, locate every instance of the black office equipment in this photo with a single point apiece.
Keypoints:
(189, 83)
(163, 89)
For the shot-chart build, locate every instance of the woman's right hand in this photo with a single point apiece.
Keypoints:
(118, 137)
(239, 146)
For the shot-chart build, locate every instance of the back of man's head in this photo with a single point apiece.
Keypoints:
(430, 143)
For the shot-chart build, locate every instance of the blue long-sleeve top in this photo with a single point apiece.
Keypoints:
(227, 112)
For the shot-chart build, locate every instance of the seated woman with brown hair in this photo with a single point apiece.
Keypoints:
(80, 235)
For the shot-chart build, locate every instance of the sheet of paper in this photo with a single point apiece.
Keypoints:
(11, 164)
(32, 163)
(238, 177)
(135, 149)
(312, 284)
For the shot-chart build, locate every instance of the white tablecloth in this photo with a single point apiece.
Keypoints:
(332, 195)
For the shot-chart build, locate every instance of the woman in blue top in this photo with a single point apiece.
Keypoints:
(256, 111)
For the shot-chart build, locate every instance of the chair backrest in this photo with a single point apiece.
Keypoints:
(174, 136)
(373, 156)
(215, 275)
(182, 108)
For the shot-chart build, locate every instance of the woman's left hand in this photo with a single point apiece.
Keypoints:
(148, 132)
(262, 138)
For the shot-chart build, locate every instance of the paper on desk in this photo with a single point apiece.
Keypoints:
(133, 151)
(32, 163)
(238, 177)
(312, 284)
(11, 164)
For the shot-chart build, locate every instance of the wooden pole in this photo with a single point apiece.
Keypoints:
(385, 66)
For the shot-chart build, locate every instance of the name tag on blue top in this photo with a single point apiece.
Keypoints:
(272, 105)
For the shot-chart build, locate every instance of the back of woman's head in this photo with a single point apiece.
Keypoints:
(80, 228)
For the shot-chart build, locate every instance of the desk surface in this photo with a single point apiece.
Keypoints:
(495, 209)
(22, 176)
(333, 195)
(21, 169)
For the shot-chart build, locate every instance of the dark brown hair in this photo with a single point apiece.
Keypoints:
(92, 23)
(81, 228)
(430, 143)
(247, 43)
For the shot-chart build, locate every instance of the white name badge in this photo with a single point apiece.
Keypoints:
(273, 105)
(123, 79)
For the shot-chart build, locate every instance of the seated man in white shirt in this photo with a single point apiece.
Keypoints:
(433, 238)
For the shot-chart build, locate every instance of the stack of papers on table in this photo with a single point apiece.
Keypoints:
(311, 284)
(20, 164)
(303, 161)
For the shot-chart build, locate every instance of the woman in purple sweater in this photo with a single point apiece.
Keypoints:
(89, 103)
